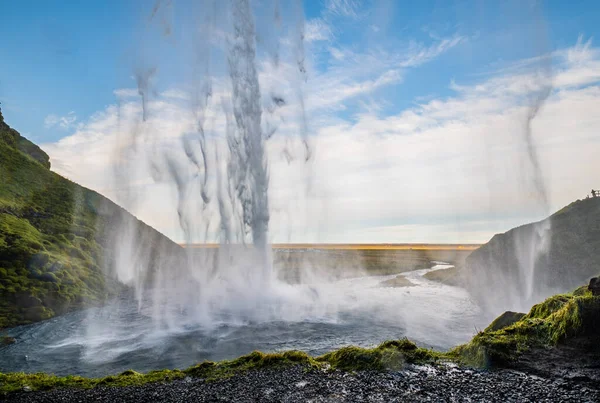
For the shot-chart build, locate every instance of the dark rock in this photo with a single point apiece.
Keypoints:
(594, 286)
(505, 320)
(414, 384)
(558, 251)
(37, 261)
(26, 300)
(56, 266)
(49, 277)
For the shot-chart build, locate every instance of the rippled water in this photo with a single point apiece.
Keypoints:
(117, 337)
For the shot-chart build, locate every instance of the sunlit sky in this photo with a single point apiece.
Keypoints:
(417, 111)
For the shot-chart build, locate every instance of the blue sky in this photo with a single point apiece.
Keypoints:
(69, 56)
(371, 63)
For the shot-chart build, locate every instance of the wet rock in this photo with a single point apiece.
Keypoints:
(504, 320)
(398, 281)
(56, 266)
(594, 286)
(412, 384)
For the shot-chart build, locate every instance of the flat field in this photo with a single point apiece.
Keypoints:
(357, 246)
(298, 262)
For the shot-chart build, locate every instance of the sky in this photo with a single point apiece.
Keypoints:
(417, 113)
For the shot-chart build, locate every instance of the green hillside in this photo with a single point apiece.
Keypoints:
(55, 243)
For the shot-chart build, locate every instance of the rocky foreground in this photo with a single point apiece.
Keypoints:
(298, 384)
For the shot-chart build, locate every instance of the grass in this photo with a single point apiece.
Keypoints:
(388, 355)
(549, 323)
(56, 242)
(50, 256)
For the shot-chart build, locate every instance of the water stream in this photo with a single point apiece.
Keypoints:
(358, 311)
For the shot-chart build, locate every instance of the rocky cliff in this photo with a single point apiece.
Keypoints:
(523, 266)
(62, 246)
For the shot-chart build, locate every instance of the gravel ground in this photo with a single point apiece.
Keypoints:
(296, 384)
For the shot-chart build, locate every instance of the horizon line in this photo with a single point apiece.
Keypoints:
(358, 245)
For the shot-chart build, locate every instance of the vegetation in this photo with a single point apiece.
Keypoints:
(549, 323)
(389, 355)
(49, 255)
(55, 243)
(504, 320)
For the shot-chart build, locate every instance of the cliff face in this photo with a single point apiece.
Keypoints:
(527, 264)
(62, 245)
(12, 138)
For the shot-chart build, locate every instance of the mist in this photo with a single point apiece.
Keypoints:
(237, 133)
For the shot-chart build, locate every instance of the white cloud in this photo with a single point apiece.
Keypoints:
(317, 30)
(64, 122)
(447, 170)
(345, 8)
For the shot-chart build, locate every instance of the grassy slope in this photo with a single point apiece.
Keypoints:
(49, 257)
(54, 237)
(554, 321)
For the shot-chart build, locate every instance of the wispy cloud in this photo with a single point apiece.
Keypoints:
(318, 30)
(345, 8)
(63, 122)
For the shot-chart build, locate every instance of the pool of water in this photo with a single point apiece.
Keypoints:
(356, 311)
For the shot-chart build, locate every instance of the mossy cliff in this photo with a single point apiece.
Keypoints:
(557, 321)
(534, 261)
(57, 243)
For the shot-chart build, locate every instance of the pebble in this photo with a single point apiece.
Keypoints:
(296, 384)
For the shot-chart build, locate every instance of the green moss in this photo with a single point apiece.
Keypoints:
(15, 382)
(549, 306)
(551, 322)
(52, 238)
(254, 360)
(505, 320)
(207, 370)
(388, 355)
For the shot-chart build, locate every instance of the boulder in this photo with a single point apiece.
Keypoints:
(505, 320)
(594, 286)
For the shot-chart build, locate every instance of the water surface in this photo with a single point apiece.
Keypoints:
(357, 311)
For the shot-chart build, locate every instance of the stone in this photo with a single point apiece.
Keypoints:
(594, 286)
